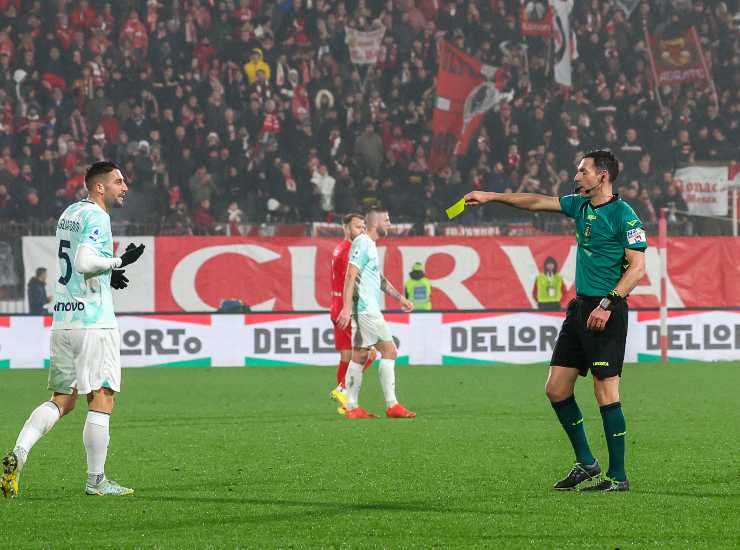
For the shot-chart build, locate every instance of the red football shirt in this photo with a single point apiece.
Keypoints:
(339, 263)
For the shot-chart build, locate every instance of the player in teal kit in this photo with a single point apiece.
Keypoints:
(85, 356)
(362, 287)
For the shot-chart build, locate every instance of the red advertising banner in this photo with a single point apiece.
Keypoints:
(198, 273)
(677, 59)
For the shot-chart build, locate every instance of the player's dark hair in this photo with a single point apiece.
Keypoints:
(40, 271)
(604, 159)
(347, 219)
(98, 169)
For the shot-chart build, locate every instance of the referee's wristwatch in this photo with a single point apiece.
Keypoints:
(610, 301)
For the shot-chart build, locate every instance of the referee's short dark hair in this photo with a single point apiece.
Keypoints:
(98, 169)
(604, 159)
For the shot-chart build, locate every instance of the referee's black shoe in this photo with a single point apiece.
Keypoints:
(578, 474)
(607, 485)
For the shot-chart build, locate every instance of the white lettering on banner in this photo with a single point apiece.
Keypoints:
(303, 278)
(652, 266)
(182, 283)
(526, 269)
(466, 263)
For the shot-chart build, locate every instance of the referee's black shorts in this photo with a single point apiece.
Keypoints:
(580, 348)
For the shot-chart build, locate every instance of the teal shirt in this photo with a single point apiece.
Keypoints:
(83, 300)
(602, 234)
(364, 255)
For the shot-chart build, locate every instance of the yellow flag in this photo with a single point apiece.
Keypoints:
(456, 209)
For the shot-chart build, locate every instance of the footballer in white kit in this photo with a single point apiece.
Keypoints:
(85, 342)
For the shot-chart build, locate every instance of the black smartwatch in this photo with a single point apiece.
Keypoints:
(610, 301)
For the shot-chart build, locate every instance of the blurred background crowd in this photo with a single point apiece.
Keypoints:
(225, 112)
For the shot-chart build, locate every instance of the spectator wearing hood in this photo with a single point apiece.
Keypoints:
(418, 289)
(256, 63)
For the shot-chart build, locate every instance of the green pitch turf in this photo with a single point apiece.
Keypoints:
(258, 458)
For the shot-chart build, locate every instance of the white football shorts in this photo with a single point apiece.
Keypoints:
(85, 359)
(368, 329)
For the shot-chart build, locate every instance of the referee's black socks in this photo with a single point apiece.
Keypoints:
(572, 420)
(615, 430)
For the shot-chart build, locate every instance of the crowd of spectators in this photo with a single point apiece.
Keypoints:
(245, 111)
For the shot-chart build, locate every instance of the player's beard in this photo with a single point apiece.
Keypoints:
(118, 201)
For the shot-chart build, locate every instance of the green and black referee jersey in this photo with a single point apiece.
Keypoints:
(602, 234)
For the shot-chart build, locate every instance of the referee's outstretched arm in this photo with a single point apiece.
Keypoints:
(525, 201)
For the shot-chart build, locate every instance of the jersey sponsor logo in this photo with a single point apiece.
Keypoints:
(95, 234)
(68, 225)
(636, 235)
(632, 223)
(69, 306)
(591, 216)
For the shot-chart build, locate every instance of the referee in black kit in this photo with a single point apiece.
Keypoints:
(609, 264)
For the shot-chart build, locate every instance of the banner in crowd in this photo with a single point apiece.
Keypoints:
(677, 59)
(466, 89)
(704, 189)
(196, 274)
(273, 339)
(628, 6)
(564, 42)
(364, 45)
(536, 19)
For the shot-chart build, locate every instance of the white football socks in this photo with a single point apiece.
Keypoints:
(42, 420)
(387, 373)
(353, 382)
(95, 437)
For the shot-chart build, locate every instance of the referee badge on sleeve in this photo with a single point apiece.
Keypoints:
(636, 235)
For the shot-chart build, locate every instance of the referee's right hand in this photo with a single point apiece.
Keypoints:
(598, 319)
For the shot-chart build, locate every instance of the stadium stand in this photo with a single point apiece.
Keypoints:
(243, 112)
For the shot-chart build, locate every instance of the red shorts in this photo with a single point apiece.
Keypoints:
(342, 336)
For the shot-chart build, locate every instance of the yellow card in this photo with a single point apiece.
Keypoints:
(456, 209)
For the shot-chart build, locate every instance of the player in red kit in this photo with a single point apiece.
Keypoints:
(353, 224)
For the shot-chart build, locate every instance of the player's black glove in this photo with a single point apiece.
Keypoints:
(132, 254)
(118, 280)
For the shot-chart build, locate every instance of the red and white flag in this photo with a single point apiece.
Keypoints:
(466, 90)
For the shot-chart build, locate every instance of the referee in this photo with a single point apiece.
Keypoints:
(609, 264)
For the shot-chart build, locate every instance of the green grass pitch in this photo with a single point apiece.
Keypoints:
(258, 458)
